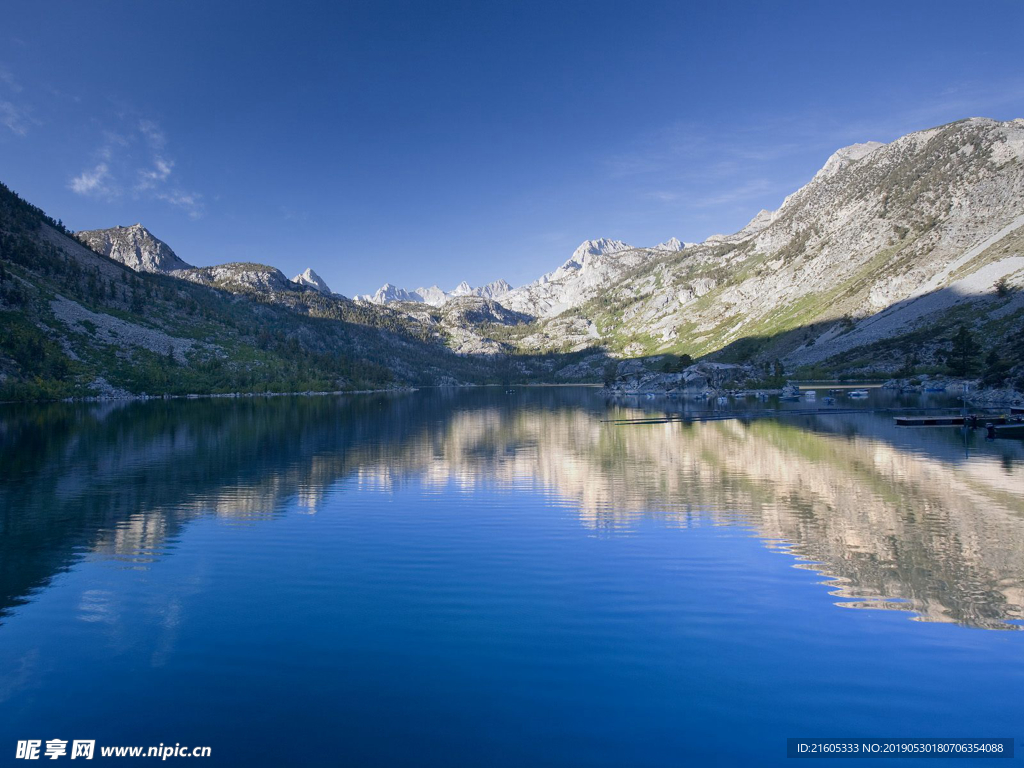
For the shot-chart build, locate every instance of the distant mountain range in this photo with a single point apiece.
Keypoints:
(559, 286)
(869, 268)
(434, 296)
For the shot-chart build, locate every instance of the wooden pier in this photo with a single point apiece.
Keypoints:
(929, 421)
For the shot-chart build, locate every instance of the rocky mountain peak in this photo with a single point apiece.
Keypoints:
(311, 279)
(753, 227)
(135, 247)
(434, 295)
(597, 247)
(672, 245)
(845, 156)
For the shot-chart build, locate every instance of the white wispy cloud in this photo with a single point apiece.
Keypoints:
(150, 178)
(14, 117)
(190, 202)
(134, 160)
(8, 79)
(153, 134)
(93, 182)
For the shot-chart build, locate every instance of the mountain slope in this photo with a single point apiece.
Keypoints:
(76, 322)
(886, 241)
(595, 265)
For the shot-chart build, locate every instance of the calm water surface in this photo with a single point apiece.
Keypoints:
(481, 578)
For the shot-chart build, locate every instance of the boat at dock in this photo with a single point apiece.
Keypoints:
(857, 394)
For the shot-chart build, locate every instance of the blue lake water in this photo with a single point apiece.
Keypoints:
(470, 577)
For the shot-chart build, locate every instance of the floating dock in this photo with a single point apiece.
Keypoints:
(948, 421)
(1014, 430)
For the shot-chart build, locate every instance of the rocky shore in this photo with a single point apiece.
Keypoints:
(977, 393)
(699, 380)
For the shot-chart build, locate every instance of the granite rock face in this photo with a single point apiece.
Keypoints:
(133, 246)
(311, 279)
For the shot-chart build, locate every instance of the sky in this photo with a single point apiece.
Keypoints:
(433, 142)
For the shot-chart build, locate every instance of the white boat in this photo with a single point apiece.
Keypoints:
(857, 393)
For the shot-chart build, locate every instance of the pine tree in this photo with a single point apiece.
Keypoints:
(963, 352)
(996, 369)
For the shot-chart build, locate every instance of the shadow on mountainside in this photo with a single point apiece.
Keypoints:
(920, 327)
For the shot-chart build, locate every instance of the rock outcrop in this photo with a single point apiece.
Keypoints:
(133, 246)
(311, 279)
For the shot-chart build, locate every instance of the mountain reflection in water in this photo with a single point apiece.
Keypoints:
(895, 519)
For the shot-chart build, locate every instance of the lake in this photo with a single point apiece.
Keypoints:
(476, 577)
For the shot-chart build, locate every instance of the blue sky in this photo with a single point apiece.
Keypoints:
(440, 141)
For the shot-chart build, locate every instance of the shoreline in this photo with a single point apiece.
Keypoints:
(203, 396)
(303, 393)
(980, 396)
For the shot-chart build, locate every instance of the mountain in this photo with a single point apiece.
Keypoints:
(389, 293)
(434, 296)
(135, 247)
(880, 257)
(871, 268)
(671, 245)
(311, 279)
(239, 277)
(594, 265)
(493, 290)
(77, 322)
(138, 249)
